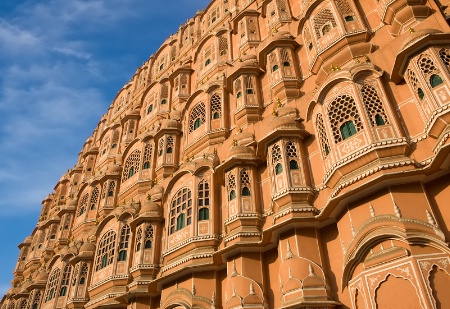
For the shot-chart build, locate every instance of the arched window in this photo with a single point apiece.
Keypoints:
(216, 106)
(245, 191)
(150, 109)
(349, 18)
(138, 238)
(65, 280)
(112, 186)
(181, 210)
(124, 241)
(420, 93)
(105, 251)
(149, 237)
(278, 169)
(207, 62)
(310, 46)
(232, 195)
(435, 80)
(114, 146)
(340, 111)
(131, 172)
(147, 155)
(379, 120)
(374, 106)
(197, 117)
(203, 214)
(239, 94)
(325, 29)
(286, 64)
(250, 91)
(347, 129)
(164, 101)
(131, 165)
(274, 68)
(52, 284)
(83, 204)
(146, 165)
(293, 165)
(94, 198)
(84, 273)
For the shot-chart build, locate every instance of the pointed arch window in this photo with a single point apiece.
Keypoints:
(216, 106)
(435, 80)
(181, 210)
(197, 117)
(278, 169)
(420, 93)
(232, 195)
(150, 109)
(52, 285)
(347, 129)
(149, 232)
(293, 165)
(106, 250)
(124, 241)
(131, 165)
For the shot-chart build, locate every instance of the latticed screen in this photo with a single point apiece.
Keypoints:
(94, 198)
(181, 210)
(341, 111)
(105, 252)
(344, 9)
(323, 18)
(52, 284)
(197, 117)
(276, 154)
(245, 182)
(147, 155)
(149, 232)
(138, 238)
(444, 54)
(216, 106)
(131, 165)
(83, 204)
(323, 139)
(374, 106)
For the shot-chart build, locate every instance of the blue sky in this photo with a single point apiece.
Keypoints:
(61, 64)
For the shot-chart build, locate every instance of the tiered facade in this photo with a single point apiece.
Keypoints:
(271, 154)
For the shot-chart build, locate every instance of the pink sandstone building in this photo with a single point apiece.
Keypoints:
(271, 154)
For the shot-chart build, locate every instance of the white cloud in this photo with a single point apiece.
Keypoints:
(74, 53)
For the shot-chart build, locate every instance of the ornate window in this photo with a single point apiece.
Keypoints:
(216, 106)
(250, 84)
(414, 83)
(276, 159)
(105, 251)
(374, 106)
(94, 198)
(147, 155)
(149, 232)
(160, 146)
(197, 117)
(83, 204)
(203, 200)
(307, 38)
(344, 117)
(150, 109)
(84, 273)
(285, 57)
(131, 165)
(323, 139)
(232, 187)
(323, 22)
(138, 239)
(430, 71)
(170, 144)
(112, 186)
(124, 240)
(345, 10)
(291, 155)
(65, 280)
(238, 88)
(52, 285)
(223, 45)
(444, 54)
(24, 304)
(164, 94)
(37, 300)
(245, 182)
(181, 210)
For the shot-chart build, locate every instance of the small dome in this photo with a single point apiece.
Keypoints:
(240, 151)
(42, 275)
(113, 169)
(87, 247)
(71, 202)
(149, 206)
(156, 192)
(286, 118)
(169, 124)
(28, 240)
(415, 36)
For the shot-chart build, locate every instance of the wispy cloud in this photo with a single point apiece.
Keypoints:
(74, 53)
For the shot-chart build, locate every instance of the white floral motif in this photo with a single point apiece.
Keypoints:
(351, 145)
(246, 206)
(384, 133)
(425, 265)
(179, 236)
(444, 263)
(443, 95)
(373, 280)
(405, 270)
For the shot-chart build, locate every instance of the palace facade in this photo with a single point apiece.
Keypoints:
(271, 154)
